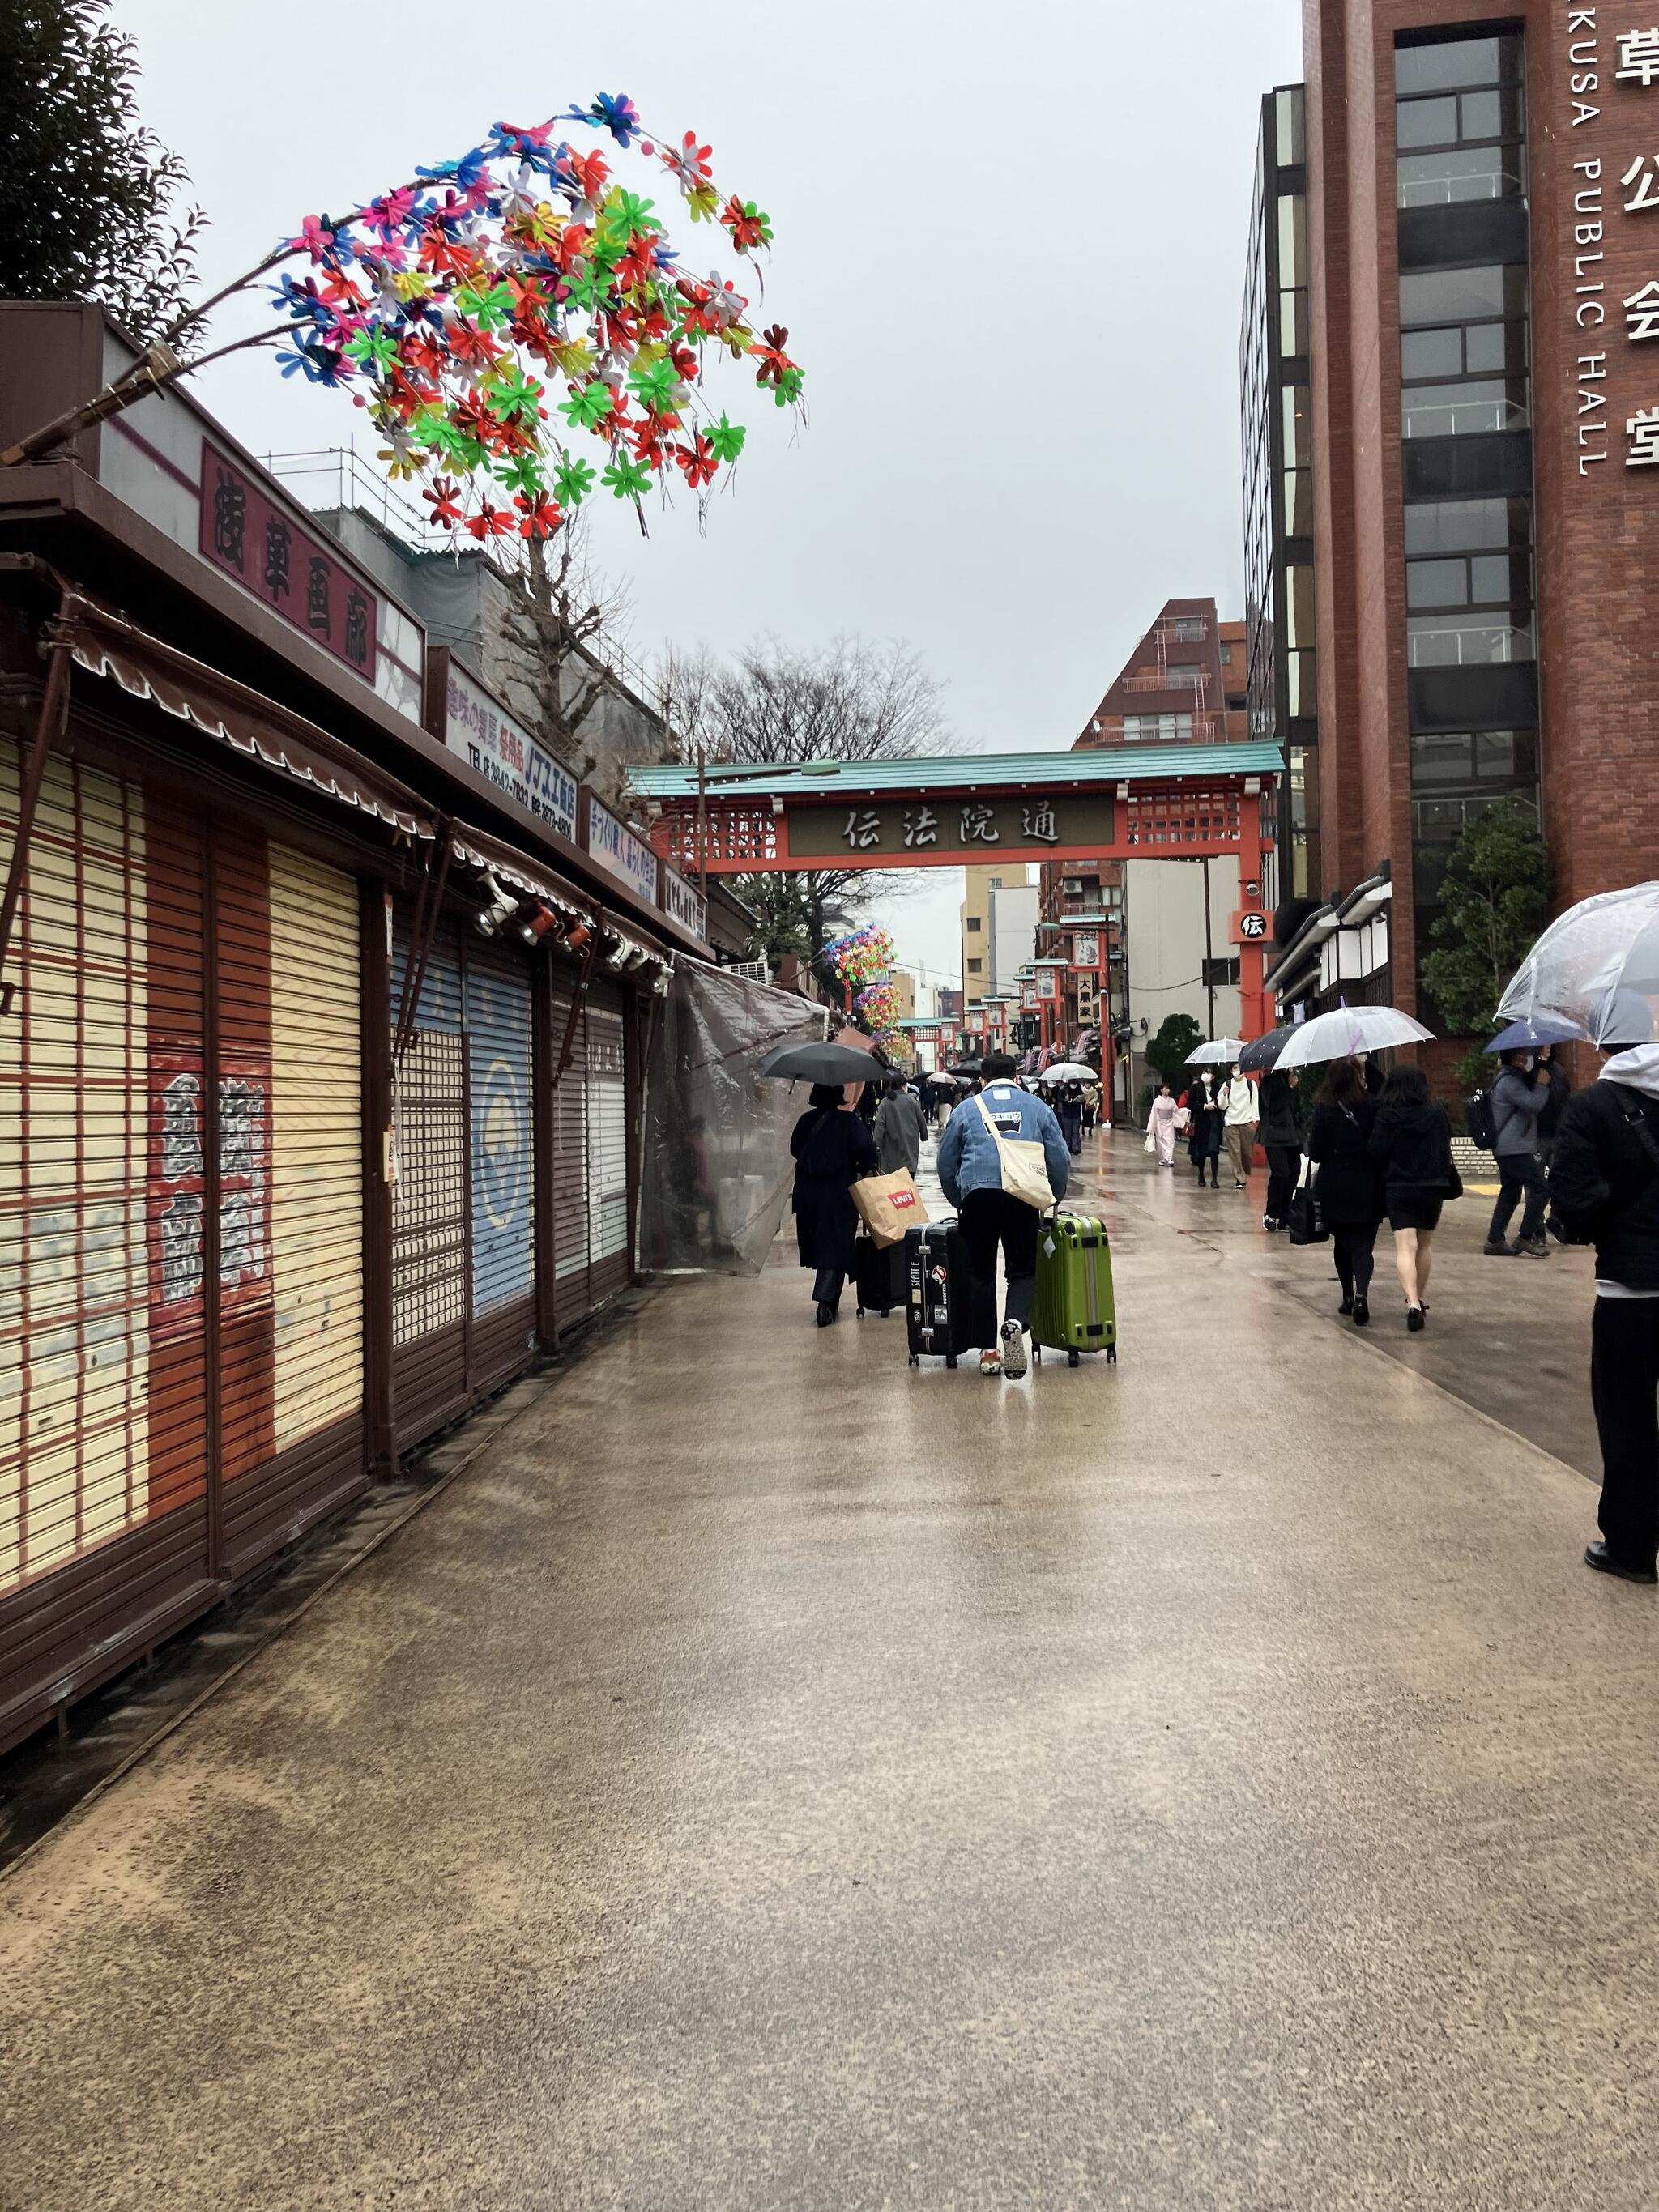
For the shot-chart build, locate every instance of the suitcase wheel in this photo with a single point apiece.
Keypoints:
(861, 1313)
(885, 1312)
(1111, 1355)
(949, 1360)
(914, 1360)
(1071, 1359)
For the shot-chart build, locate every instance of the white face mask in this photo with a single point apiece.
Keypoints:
(1526, 1060)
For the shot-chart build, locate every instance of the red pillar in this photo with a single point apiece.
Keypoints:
(1255, 1017)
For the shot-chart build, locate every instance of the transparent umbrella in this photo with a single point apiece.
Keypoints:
(1212, 1054)
(1348, 1030)
(1596, 967)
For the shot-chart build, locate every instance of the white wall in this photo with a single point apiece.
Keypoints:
(1163, 917)
(1013, 934)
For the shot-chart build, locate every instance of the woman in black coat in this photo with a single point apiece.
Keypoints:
(1349, 1189)
(1202, 1099)
(831, 1147)
(1410, 1146)
(1280, 1131)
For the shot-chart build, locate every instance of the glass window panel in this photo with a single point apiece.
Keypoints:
(1464, 524)
(1482, 115)
(1461, 173)
(1301, 696)
(1461, 296)
(1441, 762)
(1450, 61)
(1292, 323)
(1295, 408)
(1299, 604)
(1459, 411)
(1436, 583)
(1467, 640)
(1431, 353)
(1292, 238)
(1492, 579)
(1298, 502)
(1288, 120)
(1494, 756)
(1426, 122)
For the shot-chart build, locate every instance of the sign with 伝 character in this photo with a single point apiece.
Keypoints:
(294, 572)
(976, 829)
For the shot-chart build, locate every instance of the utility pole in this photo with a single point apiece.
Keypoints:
(702, 820)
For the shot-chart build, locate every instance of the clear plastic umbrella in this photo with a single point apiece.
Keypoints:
(1596, 967)
(1212, 1054)
(1348, 1030)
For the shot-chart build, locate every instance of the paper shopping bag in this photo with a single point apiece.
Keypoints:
(888, 1205)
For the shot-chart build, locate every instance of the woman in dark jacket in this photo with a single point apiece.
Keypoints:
(1281, 1136)
(1202, 1099)
(1349, 1189)
(831, 1147)
(1411, 1148)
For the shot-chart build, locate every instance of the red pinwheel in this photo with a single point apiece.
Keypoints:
(315, 238)
(775, 362)
(593, 173)
(541, 515)
(696, 462)
(443, 497)
(473, 347)
(492, 522)
(692, 165)
(748, 225)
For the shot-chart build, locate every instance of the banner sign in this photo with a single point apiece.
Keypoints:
(613, 845)
(262, 546)
(488, 738)
(684, 904)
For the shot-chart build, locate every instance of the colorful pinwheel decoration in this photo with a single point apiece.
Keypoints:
(500, 310)
(861, 956)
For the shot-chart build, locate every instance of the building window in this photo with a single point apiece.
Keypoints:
(973, 925)
(1476, 641)
(1226, 656)
(1461, 121)
(975, 968)
(1189, 629)
(1221, 971)
(1184, 675)
(1156, 729)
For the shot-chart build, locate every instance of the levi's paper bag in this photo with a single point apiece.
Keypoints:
(888, 1205)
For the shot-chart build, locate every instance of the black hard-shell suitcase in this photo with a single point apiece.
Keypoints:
(939, 1314)
(882, 1276)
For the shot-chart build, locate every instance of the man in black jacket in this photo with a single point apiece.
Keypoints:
(1604, 1186)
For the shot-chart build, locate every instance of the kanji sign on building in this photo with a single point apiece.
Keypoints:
(973, 826)
(293, 572)
(488, 738)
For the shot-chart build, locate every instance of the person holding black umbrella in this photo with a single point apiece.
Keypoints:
(831, 1147)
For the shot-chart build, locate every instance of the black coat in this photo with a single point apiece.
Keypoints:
(1281, 1112)
(1603, 1184)
(1350, 1187)
(1412, 1145)
(1204, 1136)
(831, 1150)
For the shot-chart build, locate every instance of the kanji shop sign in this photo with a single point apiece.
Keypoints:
(488, 738)
(684, 904)
(258, 542)
(1085, 948)
(951, 823)
(615, 846)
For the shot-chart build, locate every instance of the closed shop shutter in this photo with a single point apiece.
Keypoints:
(429, 1275)
(608, 1226)
(497, 1012)
(572, 1299)
(103, 1463)
(291, 1203)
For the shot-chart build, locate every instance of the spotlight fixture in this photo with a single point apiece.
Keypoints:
(542, 923)
(577, 935)
(502, 906)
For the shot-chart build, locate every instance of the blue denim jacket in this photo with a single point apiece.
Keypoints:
(968, 1157)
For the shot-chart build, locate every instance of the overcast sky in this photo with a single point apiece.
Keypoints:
(1009, 250)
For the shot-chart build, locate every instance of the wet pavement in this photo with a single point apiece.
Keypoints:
(773, 1777)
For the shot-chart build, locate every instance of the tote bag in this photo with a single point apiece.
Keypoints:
(1024, 1165)
(888, 1205)
(1307, 1215)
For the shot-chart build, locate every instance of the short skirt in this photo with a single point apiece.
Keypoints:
(1412, 1206)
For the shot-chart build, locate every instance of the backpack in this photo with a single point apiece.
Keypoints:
(1480, 1121)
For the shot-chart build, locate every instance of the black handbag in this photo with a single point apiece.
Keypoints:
(1307, 1216)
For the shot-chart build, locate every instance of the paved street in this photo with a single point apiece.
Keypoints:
(1212, 1782)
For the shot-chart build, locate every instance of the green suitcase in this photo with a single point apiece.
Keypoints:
(1073, 1311)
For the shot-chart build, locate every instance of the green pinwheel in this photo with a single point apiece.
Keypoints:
(516, 395)
(657, 385)
(572, 480)
(626, 478)
(490, 306)
(587, 405)
(725, 439)
(375, 349)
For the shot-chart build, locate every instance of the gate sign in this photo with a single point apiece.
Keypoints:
(487, 738)
(977, 827)
(615, 846)
(1252, 926)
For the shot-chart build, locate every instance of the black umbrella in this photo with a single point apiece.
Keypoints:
(972, 1066)
(820, 1063)
(1256, 1059)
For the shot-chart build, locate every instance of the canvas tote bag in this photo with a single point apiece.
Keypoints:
(1023, 1162)
(888, 1205)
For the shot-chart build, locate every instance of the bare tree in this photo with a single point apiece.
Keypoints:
(847, 701)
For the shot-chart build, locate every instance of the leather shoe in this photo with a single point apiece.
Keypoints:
(1362, 1312)
(1599, 1557)
(826, 1313)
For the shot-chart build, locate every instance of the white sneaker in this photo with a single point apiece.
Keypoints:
(989, 1363)
(1013, 1350)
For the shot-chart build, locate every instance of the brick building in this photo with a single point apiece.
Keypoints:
(1482, 263)
(1183, 685)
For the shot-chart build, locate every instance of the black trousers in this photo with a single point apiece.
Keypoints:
(990, 1217)
(1625, 1390)
(826, 1285)
(1284, 1165)
(1353, 1247)
(1522, 1174)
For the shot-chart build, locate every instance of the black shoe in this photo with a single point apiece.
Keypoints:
(1415, 1318)
(826, 1313)
(1362, 1312)
(1556, 1230)
(1346, 1306)
(1497, 1247)
(1599, 1557)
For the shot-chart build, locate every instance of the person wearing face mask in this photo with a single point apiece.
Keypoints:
(1604, 1186)
(1518, 1100)
(1239, 1107)
(1281, 1134)
(1202, 1100)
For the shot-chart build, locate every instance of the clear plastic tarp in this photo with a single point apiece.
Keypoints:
(716, 1170)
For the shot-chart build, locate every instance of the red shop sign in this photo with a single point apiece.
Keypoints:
(259, 543)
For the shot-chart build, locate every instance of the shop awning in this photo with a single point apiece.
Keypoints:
(106, 644)
(477, 849)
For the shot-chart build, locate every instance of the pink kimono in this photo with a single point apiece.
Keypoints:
(1163, 1120)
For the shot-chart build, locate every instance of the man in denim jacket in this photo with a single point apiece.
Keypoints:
(970, 1173)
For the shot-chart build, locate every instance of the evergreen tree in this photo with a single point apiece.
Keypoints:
(1167, 1052)
(1493, 902)
(88, 193)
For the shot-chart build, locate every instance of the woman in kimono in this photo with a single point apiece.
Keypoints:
(1163, 1123)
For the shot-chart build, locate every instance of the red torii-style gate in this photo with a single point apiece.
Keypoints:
(966, 810)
